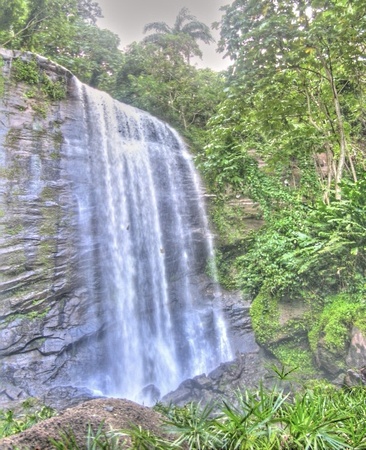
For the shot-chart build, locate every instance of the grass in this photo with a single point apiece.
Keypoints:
(319, 417)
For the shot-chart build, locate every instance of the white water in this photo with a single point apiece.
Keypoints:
(143, 240)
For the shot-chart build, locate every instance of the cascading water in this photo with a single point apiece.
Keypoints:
(143, 241)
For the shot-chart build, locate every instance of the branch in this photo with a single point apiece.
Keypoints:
(32, 22)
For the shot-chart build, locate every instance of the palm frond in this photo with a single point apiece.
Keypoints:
(158, 27)
(183, 16)
(198, 30)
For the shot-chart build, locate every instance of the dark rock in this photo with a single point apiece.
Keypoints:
(149, 395)
(245, 372)
(62, 397)
(331, 362)
(355, 377)
(356, 356)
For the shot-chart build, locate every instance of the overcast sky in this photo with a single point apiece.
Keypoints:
(127, 18)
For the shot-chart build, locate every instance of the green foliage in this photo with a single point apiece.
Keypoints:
(302, 250)
(11, 423)
(335, 322)
(263, 265)
(12, 16)
(316, 416)
(163, 84)
(194, 425)
(65, 31)
(290, 354)
(27, 71)
(316, 254)
(227, 215)
(181, 38)
(331, 244)
(294, 91)
(2, 80)
(312, 422)
(94, 440)
(143, 439)
(55, 90)
(265, 317)
(93, 56)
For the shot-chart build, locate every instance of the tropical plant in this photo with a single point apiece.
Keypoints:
(94, 440)
(194, 425)
(252, 423)
(11, 423)
(182, 37)
(313, 422)
(144, 439)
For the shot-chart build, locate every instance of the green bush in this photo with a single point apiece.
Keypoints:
(26, 71)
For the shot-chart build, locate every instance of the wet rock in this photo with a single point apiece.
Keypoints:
(45, 320)
(331, 362)
(356, 356)
(355, 377)
(246, 371)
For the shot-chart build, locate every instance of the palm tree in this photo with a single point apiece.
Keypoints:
(185, 32)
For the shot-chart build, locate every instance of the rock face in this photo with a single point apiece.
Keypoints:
(50, 325)
(43, 308)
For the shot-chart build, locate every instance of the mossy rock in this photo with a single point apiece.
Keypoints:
(275, 319)
(296, 354)
(281, 327)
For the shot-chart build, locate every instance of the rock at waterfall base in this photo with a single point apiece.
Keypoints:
(115, 413)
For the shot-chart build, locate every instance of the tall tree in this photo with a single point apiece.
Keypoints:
(182, 36)
(166, 86)
(297, 84)
(65, 31)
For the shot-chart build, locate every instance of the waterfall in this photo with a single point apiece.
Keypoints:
(144, 243)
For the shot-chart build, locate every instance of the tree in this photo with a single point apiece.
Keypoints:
(296, 85)
(12, 16)
(92, 55)
(162, 83)
(183, 36)
(65, 31)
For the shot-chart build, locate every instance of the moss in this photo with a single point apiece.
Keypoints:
(37, 315)
(48, 232)
(13, 137)
(48, 193)
(58, 140)
(29, 315)
(265, 317)
(14, 229)
(228, 220)
(30, 93)
(340, 313)
(40, 109)
(294, 354)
